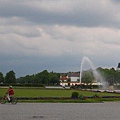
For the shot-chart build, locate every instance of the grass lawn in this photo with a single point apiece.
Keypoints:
(36, 92)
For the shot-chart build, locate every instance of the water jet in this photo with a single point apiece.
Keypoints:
(98, 77)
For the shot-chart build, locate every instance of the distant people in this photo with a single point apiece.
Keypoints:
(9, 93)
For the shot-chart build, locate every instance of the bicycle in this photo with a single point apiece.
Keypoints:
(5, 99)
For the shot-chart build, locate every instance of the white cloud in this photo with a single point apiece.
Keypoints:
(60, 40)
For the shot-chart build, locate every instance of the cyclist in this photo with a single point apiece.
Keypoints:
(9, 93)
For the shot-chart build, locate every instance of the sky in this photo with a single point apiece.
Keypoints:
(55, 35)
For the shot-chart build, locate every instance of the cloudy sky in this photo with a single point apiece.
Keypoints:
(55, 35)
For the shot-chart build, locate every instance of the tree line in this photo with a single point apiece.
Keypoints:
(8, 78)
(44, 77)
(51, 78)
(110, 76)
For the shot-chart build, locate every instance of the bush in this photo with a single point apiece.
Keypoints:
(72, 87)
(75, 95)
(82, 97)
(96, 96)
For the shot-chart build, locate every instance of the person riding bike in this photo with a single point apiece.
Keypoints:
(9, 93)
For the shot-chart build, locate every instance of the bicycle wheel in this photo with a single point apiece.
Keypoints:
(3, 100)
(14, 100)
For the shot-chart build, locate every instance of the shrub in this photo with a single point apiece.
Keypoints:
(96, 96)
(72, 87)
(82, 97)
(75, 95)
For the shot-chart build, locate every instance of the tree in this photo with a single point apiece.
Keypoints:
(1, 77)
(87, 77)
(44, 77)
(54, 79)
(10, 77)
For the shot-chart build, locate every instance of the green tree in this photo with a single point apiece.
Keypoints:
(54, 80)
(87, 77)
(1, 77)
(10, 77)
(45, 77)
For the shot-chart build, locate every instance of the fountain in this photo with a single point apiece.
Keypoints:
(96, 74)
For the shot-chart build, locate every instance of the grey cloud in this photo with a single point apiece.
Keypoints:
(78, 17)
(115, 1)
(57, 49)
(24, 65)
(28, 32)
(22, 31)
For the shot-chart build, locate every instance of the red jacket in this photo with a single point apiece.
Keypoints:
(10, 91)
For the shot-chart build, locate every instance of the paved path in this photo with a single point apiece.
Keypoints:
(60, 111)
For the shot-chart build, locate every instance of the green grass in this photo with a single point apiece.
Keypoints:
(40, 92)
(36, 92)
(62, 101)
(28, 92)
